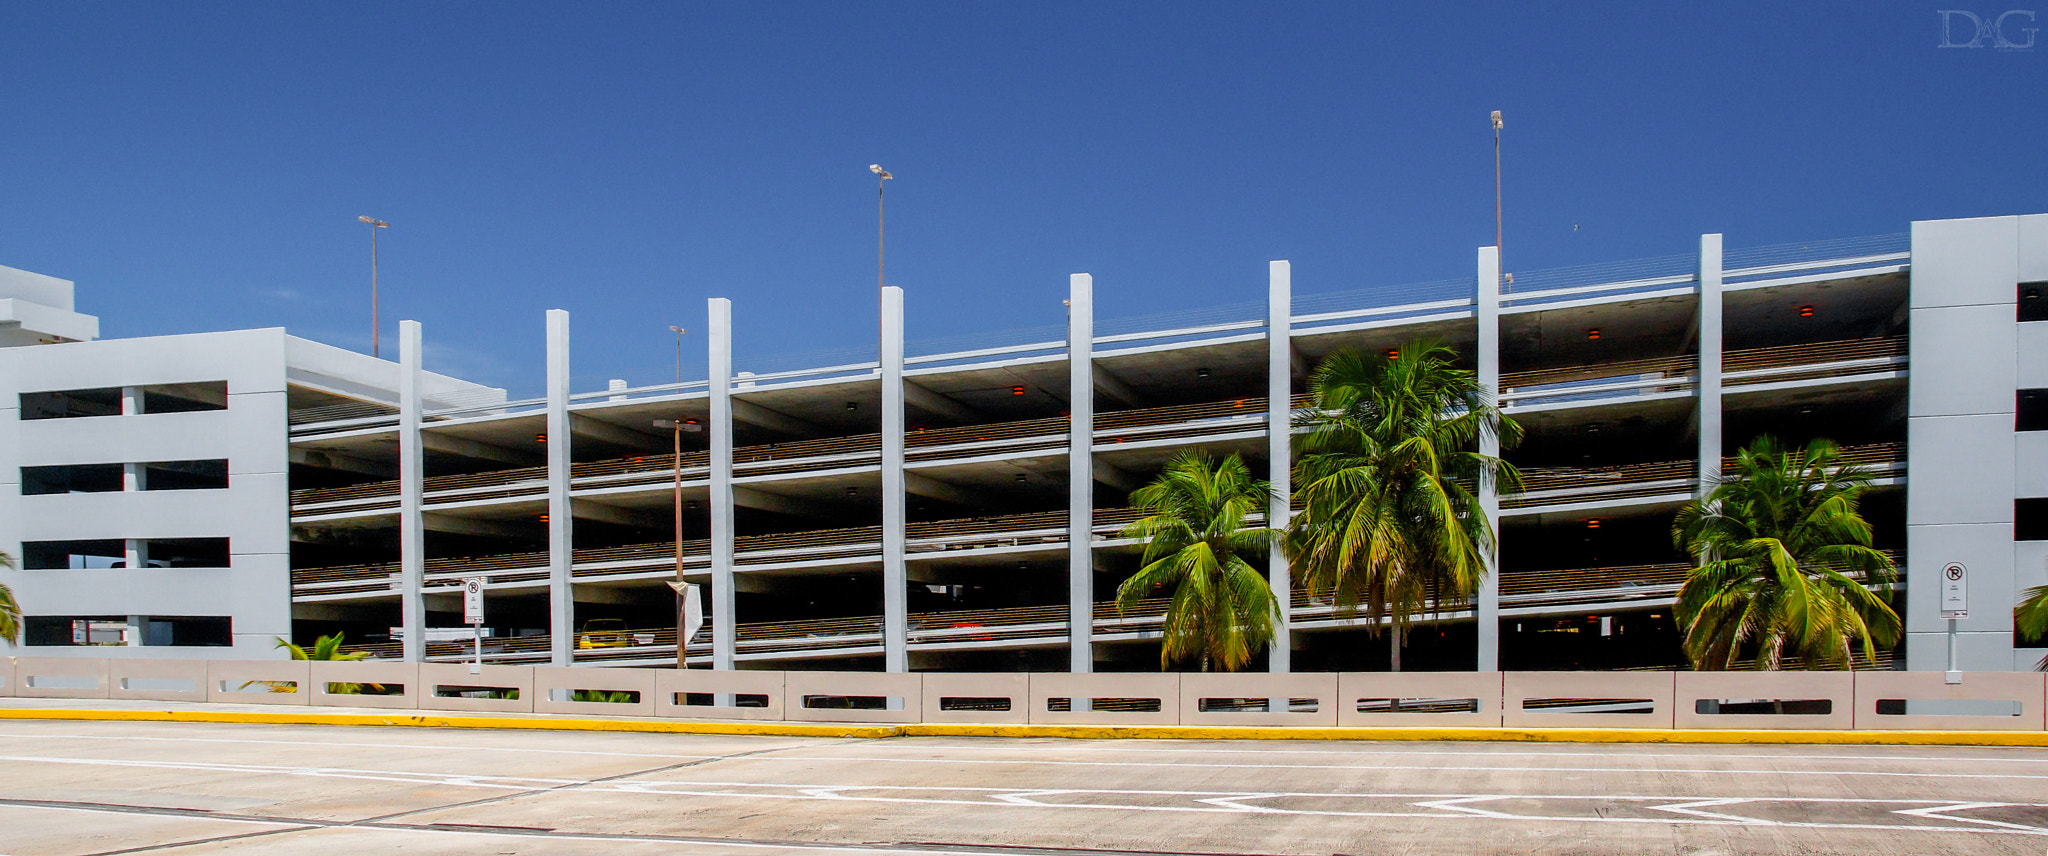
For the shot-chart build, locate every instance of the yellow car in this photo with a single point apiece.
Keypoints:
(604, 633)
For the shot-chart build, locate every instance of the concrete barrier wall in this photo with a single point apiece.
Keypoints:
(977, 697)
(157, 680)
(554, 686)
(901, 694)
(1890, 701)
(1483, 688)
(1081, 689)
(1229, 693)
(401, 678)
(60, 677)
(727, 691)
(259, 681)
(435, 678)
(1701, 694)
(1517, 688)
(1917, 689)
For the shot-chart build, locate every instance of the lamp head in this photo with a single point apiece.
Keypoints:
(878, 170)
(1496, 120)
(375, 223)
(678, 330)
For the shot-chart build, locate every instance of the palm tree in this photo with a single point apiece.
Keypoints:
(1388, 524)
(2030, 617)
(10, 610)
(1783, 563)
(1196, 543)
(324, 648)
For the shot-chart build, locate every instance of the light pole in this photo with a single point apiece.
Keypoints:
(679, 352)
(678, 426)
(1496, 192)
(883, 175)
(375, 224)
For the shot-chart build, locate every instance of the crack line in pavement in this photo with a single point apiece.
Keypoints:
(924, 848)
(381, 819)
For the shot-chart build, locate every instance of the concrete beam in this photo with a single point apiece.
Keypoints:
(435, 521)
(587, 509)
(1114, 387)
(1115, 476)
(434, 442)
(939, 405)
(931, 488)
(337, 461)
(774, 420)
(761, 500)
(611, 595)
(598, 429)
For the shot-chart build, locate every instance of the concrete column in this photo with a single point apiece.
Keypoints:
(1279, 452)
(131, 401)
(412, 545)
(1964, 468)
(724, 618)
(561, 522)
(895, 581)
(138, 627)
(1710, 362)
(1080, 475)
(1486, 609)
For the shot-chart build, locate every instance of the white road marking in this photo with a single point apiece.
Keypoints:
(1446, 806)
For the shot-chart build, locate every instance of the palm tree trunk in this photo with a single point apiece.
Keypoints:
(1394, 649)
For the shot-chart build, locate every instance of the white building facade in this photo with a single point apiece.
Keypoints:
(914, 508)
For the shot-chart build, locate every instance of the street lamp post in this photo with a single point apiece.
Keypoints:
(677, 427)
(375, 224)
(882, 175)
(1496, 192)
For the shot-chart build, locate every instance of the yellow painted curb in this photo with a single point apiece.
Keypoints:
(458, 720)
(1077, 732)
(1510, 735)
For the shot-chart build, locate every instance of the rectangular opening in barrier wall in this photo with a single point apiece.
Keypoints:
(1255, 705)
(466, 691)
(234, 686)
(174, 685)
(598, 696)
(1589, 705)
(1763, 706)
(985, 703)
(1107, 705)
(853, 702)
(711, 699)
(344, 688)
(1418, 705)
(1948, 707)
(60, 682)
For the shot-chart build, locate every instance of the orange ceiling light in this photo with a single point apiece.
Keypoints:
(1592, 523)
(1806, 312)
(1593, 333)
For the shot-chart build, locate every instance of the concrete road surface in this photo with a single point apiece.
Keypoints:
(113, 787)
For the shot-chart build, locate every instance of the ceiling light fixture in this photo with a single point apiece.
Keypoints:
(1593, 333)
(1806, 312)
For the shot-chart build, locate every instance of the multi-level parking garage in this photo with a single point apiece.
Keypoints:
(919, 506)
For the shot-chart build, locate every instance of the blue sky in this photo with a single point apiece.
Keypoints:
(200, 166)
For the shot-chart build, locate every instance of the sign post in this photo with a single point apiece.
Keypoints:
(1955, 604)
(473, 615)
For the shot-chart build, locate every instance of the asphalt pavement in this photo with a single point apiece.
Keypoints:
(77, 787)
